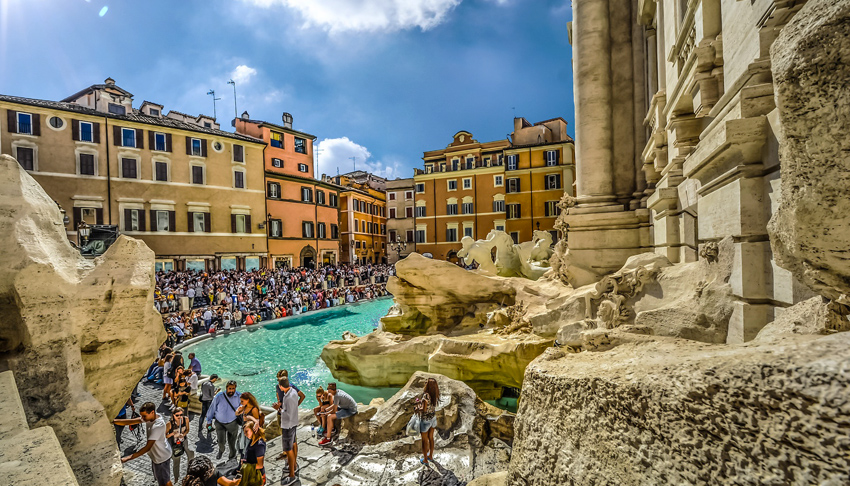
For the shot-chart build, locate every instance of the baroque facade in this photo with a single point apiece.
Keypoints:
(676, 140)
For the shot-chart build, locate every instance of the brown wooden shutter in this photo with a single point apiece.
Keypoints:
(36, 124)
(203, 148)
(75, 130)
(78, 216)
(12, 122)
(207, 226)
(248, 228)
(153, 221)
(168, 142)
(172, 221)
(140, 138)
(233, 223)
(141, 220)
(116, 137)
(191, 221)
(95, 132)
(151, 141)
(188, 145)
(128, 219)
(98, 216)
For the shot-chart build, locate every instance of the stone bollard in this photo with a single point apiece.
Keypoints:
(324, 285)
(184, 304)
(356, 281)
(372, 279)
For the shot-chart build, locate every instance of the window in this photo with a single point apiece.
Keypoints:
(207, 124)
(321, 230)
(162, 221)
(26, 157)
(551, 158)
(455, 164)
(383, 229)
(333, 200)
(197, 174)
(277, 140)
(392, 213)
(356, 225)
(409, 237)
(498, 181)
(357, 244)
(56, 122)
(514, 211)
(420, 211)
(196, 147)
(420, 236)
(429, 169)
(486, 162)
(277, 163)
(512, 162)
(116, 109)
(408, 212)
(393, 235)
(334, 231)
(300, 145)
(307, 229)
(86, 132)
(89, 215)
(391, 196)
(303, 168)
(501, 160)
(408, 195)
(199, 222)
(467, 208)
(238, 153)
(275, 228)
(128, 137)
(515, 237)
(470, 162)
(451, 234)
(154, 112)
(239, 179)
(133, 220)
(306, 194)
(552, 208)
(240, 223)
(320, 197)
(553, 181)
(467, 231)
(452, 185)
(129, 168)
(87, 164)
(161, 171)
(500, 227)
(442, 166)
(467, 183)
(274, 190)
(159, 142)
(499, 206)
(451, 208)
(513, 185)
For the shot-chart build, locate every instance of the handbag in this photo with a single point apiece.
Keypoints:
(413, 425)
(239, 420)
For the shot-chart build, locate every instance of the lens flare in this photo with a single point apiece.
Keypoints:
(103, 11)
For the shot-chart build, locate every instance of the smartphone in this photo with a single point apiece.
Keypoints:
(238, 476)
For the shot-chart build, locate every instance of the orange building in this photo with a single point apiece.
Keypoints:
(302, 212)
(471, 188)
(362, 217)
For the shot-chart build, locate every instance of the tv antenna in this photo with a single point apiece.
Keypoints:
(355, 162)
(235, 111)
(212, 93)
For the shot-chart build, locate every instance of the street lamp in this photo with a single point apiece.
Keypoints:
(398, 246)
(84, 232)
(353, 257)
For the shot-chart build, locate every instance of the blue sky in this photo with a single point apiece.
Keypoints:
(380, 80)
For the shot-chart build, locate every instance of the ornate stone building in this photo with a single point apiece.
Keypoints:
(676, 140)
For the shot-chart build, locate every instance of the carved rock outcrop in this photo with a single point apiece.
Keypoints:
(670, 411)
(77, 332)
(811, 64)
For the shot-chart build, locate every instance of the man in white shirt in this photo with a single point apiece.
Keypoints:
(157, 447)
(191, 294)
(207, 319)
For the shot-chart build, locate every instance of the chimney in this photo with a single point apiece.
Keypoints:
(245, 115)
(109, 82)
(287, 120)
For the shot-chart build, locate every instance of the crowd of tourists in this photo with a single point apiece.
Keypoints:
(237, 421)
(228, 299)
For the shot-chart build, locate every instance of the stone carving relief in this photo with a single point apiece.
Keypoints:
(710, 252)
(612, 292)
(529, 259)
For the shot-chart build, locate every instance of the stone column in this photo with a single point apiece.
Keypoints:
(621, 21)
(593, 100)
(640, 47)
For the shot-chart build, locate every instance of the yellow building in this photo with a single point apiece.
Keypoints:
(194, 193)
(471, 188)
(362, 216)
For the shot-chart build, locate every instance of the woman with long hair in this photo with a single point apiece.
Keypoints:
(249, 407)
(253, 457)
(202, 472)
(426, 406)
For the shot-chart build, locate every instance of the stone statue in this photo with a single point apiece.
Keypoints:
(528, 260)
(478, 251)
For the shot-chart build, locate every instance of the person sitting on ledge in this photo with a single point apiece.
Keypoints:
(343, 406)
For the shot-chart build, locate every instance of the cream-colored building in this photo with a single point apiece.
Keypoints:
(401, 218)
(676, 140)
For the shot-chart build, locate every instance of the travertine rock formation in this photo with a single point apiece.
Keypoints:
(669, 411)
(811, 66)
(817, 315)
(77, 332)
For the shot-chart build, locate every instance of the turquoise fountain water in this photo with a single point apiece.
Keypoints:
(253, 357)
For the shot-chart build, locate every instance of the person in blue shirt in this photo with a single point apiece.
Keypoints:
(223, 411)
(194, 364)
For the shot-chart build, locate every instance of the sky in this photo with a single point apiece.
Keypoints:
(379, 80)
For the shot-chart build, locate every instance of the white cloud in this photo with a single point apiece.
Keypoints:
(367, 15)
(336, 153)
(243, 74)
